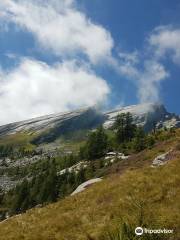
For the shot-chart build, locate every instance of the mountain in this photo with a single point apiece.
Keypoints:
(47, 122)
(49, 128)
(146, 115)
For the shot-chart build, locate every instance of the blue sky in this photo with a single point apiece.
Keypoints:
(130, 23)
(60, 55)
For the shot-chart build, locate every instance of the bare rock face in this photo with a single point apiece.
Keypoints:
(51, 121)
(146, 115)
(85, 185)
(52, 126)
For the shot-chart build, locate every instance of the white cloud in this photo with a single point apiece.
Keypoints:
(166, 42)
(149, 80)
(34, 88)
(59, 27)
(145, 73)
(146, 68)
(126, 65)
(132, 58)
(163, 42)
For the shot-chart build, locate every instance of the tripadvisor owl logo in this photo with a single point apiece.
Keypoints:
(139, 231)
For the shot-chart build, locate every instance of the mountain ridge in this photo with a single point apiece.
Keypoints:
(143, 114)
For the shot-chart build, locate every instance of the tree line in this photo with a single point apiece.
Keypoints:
(124, 136)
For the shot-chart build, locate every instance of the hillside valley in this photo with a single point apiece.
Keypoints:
(87, 170)
(58, 135)
(132, 193)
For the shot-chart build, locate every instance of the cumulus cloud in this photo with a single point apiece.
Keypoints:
(35, 88)
(59, 27)
(149, 81)
(163, 42)
(126, 64)
(146, 67)
(166, 42)
(146, 73)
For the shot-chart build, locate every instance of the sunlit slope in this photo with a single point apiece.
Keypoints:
(141, 195)
(51, 127)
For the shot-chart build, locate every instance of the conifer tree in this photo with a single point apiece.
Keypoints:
(97, 144)
(124, 128)
(139, 140)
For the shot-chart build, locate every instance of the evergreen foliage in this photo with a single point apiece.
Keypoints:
(139, 142)
(96, 146)
(124, 127)
(6, 150)
(41, 189)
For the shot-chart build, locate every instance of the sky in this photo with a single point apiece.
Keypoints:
(60, 55)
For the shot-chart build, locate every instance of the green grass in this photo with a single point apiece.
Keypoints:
(18, 140)
(24, 139)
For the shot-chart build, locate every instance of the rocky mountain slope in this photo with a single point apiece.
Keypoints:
(52, 126)
(146, 115)
(45, 123)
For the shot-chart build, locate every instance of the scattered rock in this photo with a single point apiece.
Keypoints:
(75, 168)
(86, 184)
(112, 156)
(161, 159)
(6, 183)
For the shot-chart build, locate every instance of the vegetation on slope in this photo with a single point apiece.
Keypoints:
(43, 184)
(18, 140)
(134, 194)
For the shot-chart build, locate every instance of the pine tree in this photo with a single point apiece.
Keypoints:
(119, 126)
(124, 128)
(96, 146)
(130, 128)
(139, 140)
(150, 141)
(21, 196)
(48, 191)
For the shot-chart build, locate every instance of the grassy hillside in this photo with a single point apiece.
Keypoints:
(18, 140)
(133, 193)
